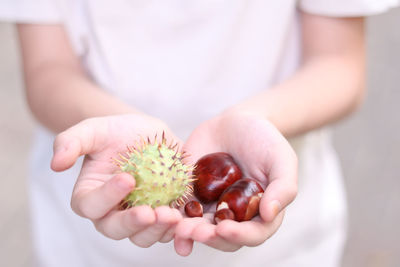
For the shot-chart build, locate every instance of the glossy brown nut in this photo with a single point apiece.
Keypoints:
(223, 214)
(242, 198)
(123, 205)
(214, 172)
(194, 209)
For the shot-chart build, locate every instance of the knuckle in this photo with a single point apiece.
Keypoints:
(100, 228)
(231, 249)
(103, 229)
(87, 212)
(166, 239)
(111, 236)
(257, 243)
(140, 242)
(80, 207)
(75, 207)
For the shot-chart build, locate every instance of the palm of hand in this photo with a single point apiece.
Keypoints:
(98, 191)
(259, 148)
(111, 138)
(263, 154)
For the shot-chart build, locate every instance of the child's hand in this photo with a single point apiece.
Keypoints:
(262, 153)
(98, 190)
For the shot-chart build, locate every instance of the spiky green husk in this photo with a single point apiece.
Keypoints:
(161, 176)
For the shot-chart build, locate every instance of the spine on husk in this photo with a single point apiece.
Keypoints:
(162, 177)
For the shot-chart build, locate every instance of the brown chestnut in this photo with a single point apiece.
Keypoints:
(214, 173)
(242, 198)
(223, 214)
(194, 209)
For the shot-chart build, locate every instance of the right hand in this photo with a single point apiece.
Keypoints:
(99, 190)
(263, 154)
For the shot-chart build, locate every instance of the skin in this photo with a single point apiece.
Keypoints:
(98, 191)
(271, 156)
(327, 86)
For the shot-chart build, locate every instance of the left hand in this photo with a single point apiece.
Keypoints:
(100, 188)
(263, 154)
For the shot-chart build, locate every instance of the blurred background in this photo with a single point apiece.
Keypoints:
(368, 144)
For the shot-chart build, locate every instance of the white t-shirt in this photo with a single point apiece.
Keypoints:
(185, 61)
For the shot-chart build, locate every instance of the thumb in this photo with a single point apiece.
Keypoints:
(282, 189)
(80, 139)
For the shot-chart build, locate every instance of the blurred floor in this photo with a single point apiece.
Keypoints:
(368, 144)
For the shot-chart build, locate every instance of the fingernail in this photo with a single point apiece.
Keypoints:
(274, 208)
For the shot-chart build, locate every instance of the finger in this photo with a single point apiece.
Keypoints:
(201, 230)
(277, 196)
(183, 242)
(249, 233)
(206, 233)
(122, 224)
(282, 187)
(66, 151)
(183, 247)
(185, 228)
(169, 234)
(165, 218)
(76, 141)
(95, 203)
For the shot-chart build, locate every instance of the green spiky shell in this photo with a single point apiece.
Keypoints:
(161, 176)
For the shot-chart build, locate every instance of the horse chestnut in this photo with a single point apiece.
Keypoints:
(194, 209)
(242, 198)
(223, 214)
(214, 172)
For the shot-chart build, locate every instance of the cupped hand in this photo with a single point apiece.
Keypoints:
(100, 188)
(263, 154)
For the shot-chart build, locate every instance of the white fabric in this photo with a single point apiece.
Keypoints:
(30, 11)
(343, 8)
(184, 61)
